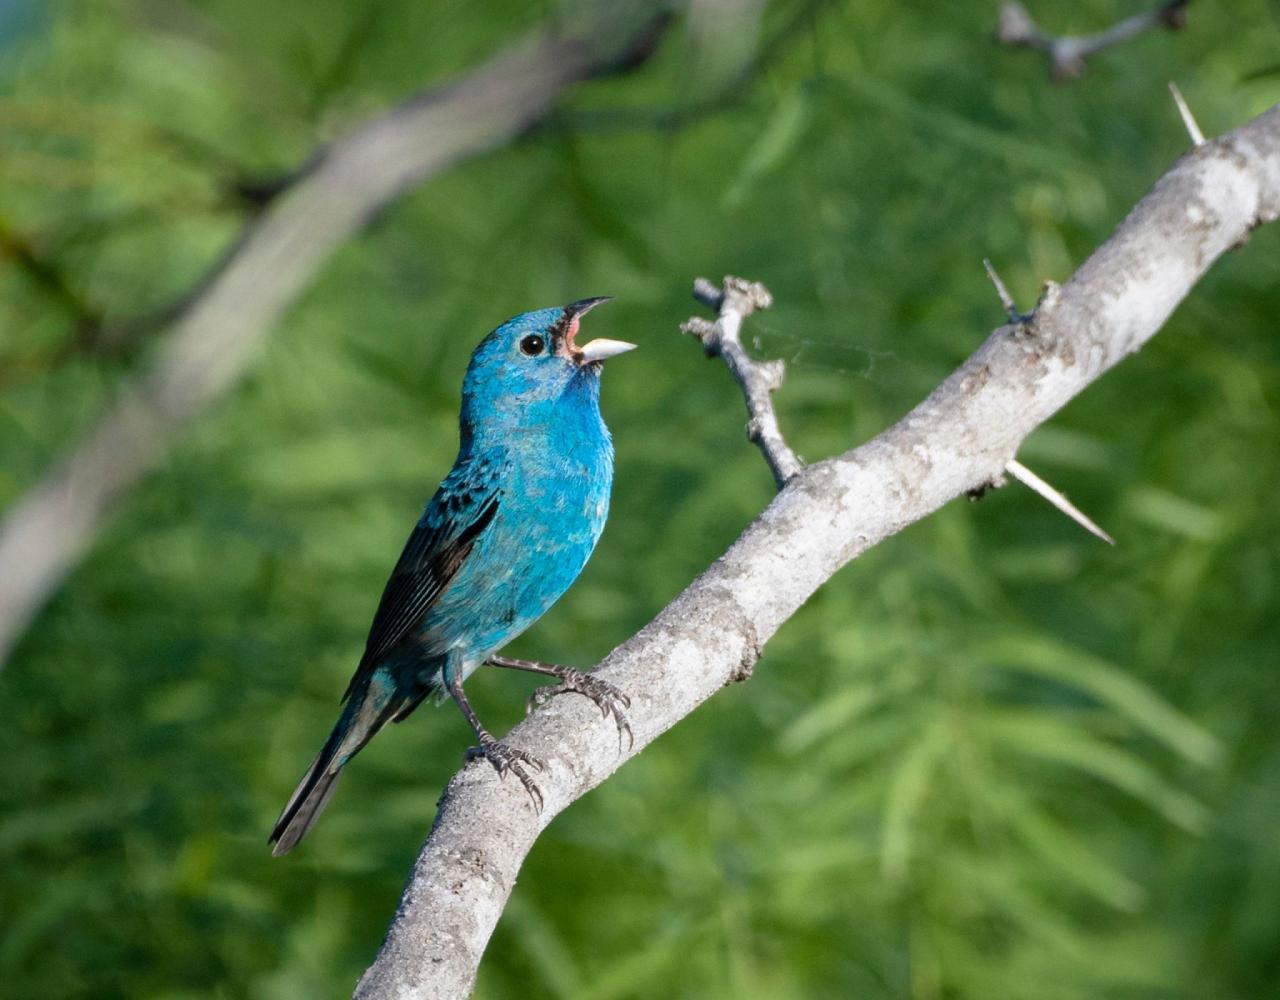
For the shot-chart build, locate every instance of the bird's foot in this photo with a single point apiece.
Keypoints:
(609, 699)
(506, 758)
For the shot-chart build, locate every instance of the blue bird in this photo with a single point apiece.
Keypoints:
(507, 532)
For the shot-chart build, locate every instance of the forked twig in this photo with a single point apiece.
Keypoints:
(736, 299)
(1068, 53)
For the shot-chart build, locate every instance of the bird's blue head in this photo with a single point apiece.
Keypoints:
(524, 374)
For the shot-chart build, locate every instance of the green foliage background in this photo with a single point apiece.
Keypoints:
(993, 758)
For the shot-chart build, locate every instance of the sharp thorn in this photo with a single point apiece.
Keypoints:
(1188, 119)
(1006, 300)
(1029, 479)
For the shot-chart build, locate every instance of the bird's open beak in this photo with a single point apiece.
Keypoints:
(602, 347)
(583, 306)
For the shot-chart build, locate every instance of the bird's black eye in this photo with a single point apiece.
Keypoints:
(532, 345)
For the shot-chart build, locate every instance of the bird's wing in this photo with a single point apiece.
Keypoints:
(460, 511)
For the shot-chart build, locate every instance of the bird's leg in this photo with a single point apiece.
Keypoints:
(502, 756)
(609, 699)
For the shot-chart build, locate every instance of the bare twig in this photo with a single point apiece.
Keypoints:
(1188, 119)
(49, 528)
(736, 299)
(962, 436)
(1067, 54)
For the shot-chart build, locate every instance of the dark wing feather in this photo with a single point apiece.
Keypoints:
(464, 506)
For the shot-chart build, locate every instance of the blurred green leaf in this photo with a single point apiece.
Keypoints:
(1109, 685)
(908, 787)
(1043, 737)
(779, 138)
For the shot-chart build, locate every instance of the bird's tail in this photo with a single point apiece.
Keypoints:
(371, 705)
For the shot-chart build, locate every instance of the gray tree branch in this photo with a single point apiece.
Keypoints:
(50, 528)
(759, 380)
(1067, 54)
(955, 441)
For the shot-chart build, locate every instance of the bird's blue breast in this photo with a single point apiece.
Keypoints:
(554, 500)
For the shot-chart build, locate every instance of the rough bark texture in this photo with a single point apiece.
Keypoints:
(49, 528)
(958, 439)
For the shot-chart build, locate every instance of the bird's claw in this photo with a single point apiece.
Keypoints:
(609, 699)
(506, 758)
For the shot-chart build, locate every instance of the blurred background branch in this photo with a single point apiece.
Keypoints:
(1067, 53)
(958, 439)
(727, 87)
(47, 530)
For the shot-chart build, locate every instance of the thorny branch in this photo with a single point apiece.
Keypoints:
(1015, 468)
(958, 439)
(738, 298)
(735, 300)
(1068, 53)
